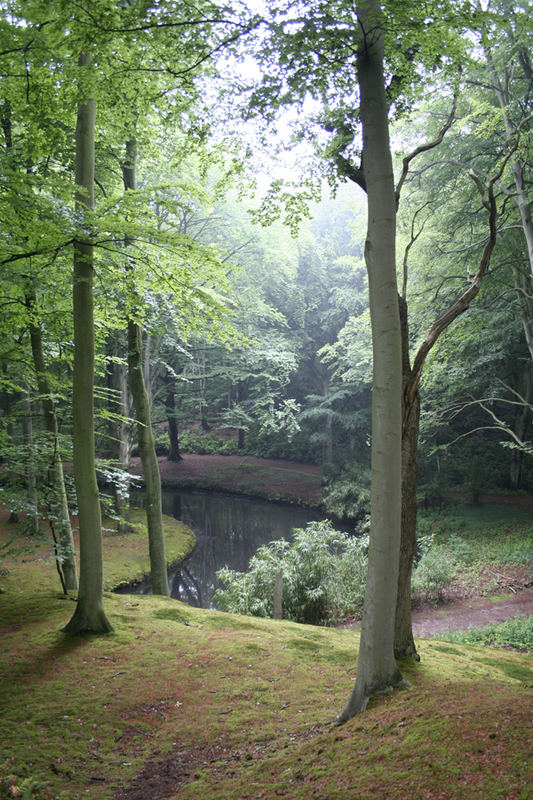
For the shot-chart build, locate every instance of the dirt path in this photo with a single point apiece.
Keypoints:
(471, 612)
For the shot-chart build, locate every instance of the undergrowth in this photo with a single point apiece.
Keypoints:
(515, 633)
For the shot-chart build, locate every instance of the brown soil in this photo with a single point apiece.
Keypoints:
(274, 479)
(470, 612)
(297, 482)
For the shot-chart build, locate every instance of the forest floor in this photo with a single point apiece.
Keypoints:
(181, 703)
(462, 606)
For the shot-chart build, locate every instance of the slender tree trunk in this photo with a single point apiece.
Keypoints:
(524, 288)
(121, 440)
(203, 406)
(376, 666)
(59, 511)
(150, 465)
(89, 616)
(521, 193)
(404, 644)
(170, 405)
(146, 355)
(520, 425)
(32, 513)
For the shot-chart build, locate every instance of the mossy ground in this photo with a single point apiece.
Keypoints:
(188, 703)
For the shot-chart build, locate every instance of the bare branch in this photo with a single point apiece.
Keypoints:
(423, 148)
(414, 237)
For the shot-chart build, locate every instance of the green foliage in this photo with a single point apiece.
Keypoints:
(490, 534)
(515, 633)
(300, 446)
(204, 444)
(16, 783)
(435, 570)
(324, 573)
(347, 493)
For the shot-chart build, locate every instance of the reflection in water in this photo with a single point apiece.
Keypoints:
(228, 530)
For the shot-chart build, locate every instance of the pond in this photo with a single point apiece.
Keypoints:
(228, 529)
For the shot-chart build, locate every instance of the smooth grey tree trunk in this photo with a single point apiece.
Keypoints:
(120, 435)
(150, 465)
(141, 400)
(376, 667)
(89, 616)
(59, 511)
(32, 513)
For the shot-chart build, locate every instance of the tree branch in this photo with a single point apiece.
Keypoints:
(423, 148)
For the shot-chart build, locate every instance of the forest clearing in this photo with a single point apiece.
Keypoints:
(281, 250)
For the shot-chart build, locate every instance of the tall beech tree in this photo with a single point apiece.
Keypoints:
(89, 616)
(376, 665)
(341, 51)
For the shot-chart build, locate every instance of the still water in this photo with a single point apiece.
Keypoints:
(228, 530)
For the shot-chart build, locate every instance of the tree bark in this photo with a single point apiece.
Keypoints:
(120, 436)
(141, 400)
(376, 666)
(32, 513)
(512, 130)
(59, 511)
(404, 643)
(520, 426)
(173, 434)
(150, 465)
(89, 616)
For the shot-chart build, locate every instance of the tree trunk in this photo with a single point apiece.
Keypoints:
(520, 426)
(404, 644)
(89, 616)
(376, 666)
(58, 506)
(32, 512)
(152, 476)
(512, 129)
(170, 405)
(120, 437)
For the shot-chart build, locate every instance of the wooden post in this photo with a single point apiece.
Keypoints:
(278, 594)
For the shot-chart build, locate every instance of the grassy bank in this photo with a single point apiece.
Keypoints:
(192, 703)
(478, 550)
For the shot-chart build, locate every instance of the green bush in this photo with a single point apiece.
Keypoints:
(207, 444)
(516, 633)
(323, 570)
(434, 571)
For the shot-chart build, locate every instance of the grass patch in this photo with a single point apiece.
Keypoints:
(224, 707)
(516, 633)
(480, 544)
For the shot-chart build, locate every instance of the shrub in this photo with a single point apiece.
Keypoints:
(435, 570)
(324, 574)
(206, 444)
